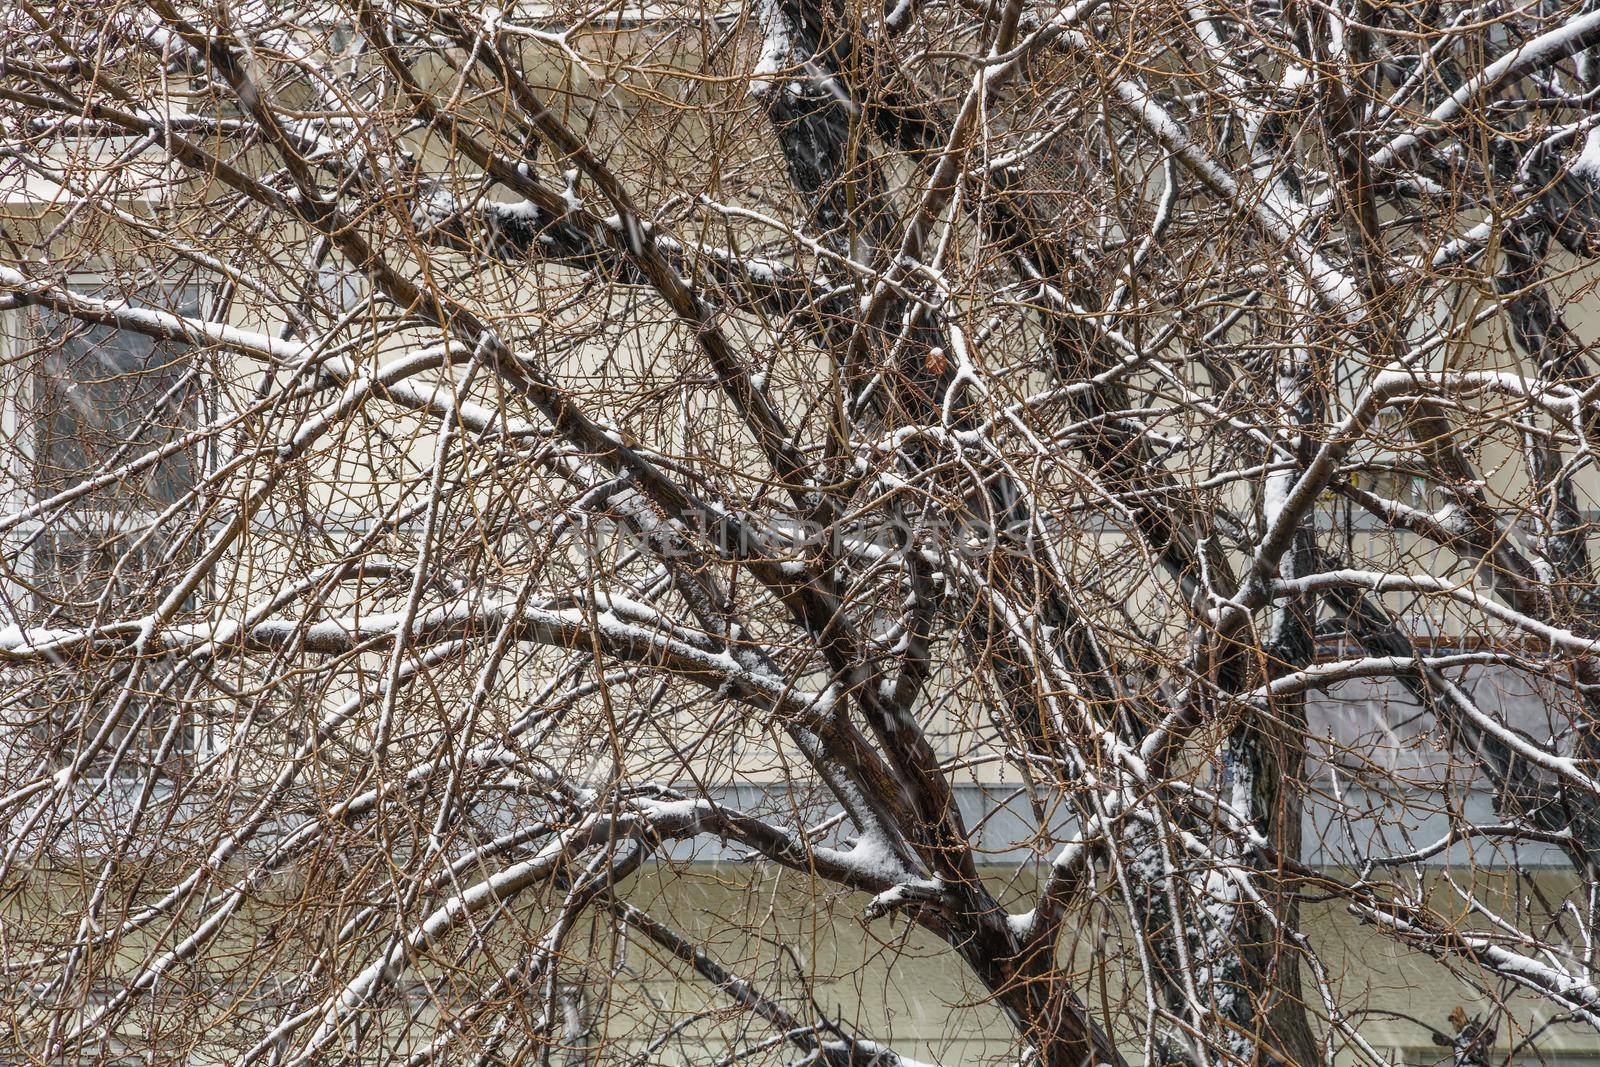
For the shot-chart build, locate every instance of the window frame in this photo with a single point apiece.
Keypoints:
(19, 490)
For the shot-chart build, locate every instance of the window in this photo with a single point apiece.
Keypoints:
(87, 400)
(100, 396)
(1394, 469)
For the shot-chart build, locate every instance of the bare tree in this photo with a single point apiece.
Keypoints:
(466, 465)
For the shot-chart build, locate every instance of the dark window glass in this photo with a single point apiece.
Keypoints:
(102, 396)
